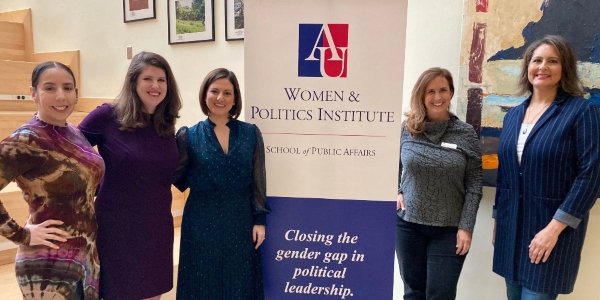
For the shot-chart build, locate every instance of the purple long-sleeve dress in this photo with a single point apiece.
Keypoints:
(133, 206)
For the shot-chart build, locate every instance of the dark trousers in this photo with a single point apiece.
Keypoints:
(428, 262)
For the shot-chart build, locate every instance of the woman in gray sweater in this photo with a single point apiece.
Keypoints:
(439, 190)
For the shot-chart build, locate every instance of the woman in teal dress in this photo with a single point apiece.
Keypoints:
(223, 226)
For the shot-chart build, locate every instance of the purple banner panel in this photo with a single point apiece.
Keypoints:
(329, 249)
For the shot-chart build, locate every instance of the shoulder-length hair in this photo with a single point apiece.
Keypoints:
(416, 116)
(129, 106)
(569, 81)
(211, 77)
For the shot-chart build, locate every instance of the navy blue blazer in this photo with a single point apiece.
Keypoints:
(559, 177)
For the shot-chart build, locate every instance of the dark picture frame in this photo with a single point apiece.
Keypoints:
(191, 21)
(234, 20)
(138, 10)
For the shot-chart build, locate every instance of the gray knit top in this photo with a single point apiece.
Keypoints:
(440, 174)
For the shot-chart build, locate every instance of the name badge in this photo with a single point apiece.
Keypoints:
(448, 145)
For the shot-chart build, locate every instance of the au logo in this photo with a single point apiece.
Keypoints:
(323, 50)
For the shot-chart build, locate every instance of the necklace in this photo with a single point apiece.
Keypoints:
(534, 118)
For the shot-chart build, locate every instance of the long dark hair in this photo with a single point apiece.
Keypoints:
(569, 81)
(129, 107)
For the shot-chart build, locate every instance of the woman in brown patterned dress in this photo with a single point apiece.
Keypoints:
(58, 172)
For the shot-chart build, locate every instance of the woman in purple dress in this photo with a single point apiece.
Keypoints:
(58, 172)
(136, 137)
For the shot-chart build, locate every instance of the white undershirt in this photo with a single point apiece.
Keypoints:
(522, 138)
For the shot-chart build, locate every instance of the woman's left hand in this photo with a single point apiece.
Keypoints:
(258, 235)
(544, 241)
(463, 241)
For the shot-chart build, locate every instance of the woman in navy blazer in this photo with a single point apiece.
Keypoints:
(548, 176)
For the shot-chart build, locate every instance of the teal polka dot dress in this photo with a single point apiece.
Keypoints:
(227, 198)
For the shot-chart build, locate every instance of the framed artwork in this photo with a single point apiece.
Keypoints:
(138, 10)
(234, 20)
(191, 21)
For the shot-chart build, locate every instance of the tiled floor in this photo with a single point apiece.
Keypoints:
(10, 291)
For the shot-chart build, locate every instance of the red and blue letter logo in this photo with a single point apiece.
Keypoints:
(323, 50)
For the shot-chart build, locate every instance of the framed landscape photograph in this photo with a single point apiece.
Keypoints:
(138, 10)
(191, 21)
(234, 20)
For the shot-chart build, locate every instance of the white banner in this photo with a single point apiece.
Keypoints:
(332, 136)
(323, 81)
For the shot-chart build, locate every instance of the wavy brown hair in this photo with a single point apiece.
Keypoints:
(211, 77)
(417, 115)
(129, 107)
(569, 81)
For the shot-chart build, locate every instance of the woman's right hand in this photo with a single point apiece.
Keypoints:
(400, 202)
(42, 234)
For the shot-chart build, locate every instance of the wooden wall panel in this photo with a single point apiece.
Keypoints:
(10, 121)
(18, 105)
(21, 38)
(17, 16)
(22, 17)
(12, 41)
(15, 77)
(17, 208)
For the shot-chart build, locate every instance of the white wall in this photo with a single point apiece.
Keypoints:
(96, 28)
(433, 38)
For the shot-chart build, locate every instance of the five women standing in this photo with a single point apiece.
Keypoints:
(548, 180)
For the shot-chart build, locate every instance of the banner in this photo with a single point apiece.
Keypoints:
(323, 82)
